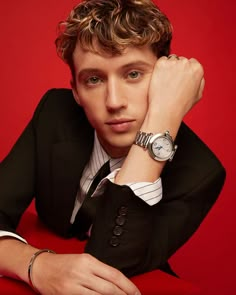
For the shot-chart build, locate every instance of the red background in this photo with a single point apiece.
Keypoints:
(202, 29)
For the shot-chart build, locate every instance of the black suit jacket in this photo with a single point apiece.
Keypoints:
(48, 160)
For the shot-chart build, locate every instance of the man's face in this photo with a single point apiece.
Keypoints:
(113, 90)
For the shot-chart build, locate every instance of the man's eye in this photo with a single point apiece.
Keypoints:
(134, 75)
(93, 80)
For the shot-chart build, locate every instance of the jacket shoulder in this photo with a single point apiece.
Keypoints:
(193, 165)
(59, 117)
(57, 101)
(195, 150)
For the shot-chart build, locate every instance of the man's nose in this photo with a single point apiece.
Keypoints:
(116, 98)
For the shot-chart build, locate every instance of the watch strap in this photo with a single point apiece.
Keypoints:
(142, 139)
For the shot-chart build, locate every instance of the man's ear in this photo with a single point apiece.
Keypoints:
(74, 91)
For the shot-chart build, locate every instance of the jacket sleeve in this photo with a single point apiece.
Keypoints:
(176, 221)
(134, 237)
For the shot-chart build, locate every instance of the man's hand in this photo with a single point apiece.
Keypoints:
(79, 274)
(176, 86)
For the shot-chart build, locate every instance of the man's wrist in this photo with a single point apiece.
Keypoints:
(30, 267)
(159, 122)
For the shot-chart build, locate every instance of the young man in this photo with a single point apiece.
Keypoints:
(128, 100)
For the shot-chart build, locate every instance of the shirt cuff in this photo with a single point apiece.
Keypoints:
(149, 192)
(4, 233)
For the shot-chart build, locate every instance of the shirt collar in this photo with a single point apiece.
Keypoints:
(99, 157)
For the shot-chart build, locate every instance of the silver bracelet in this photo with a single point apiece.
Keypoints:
(31, 263)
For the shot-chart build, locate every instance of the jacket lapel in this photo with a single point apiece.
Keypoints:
(68, 161)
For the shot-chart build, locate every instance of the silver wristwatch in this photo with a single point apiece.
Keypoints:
(160, 146)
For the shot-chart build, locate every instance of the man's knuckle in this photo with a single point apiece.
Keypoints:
(117, 277)
(110, 289)
(84, 259)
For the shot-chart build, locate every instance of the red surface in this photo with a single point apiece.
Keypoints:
(203, 29)
(155, 282)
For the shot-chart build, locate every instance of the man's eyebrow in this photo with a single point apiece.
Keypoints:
(138, 63)
(95, 71)
(88, 71)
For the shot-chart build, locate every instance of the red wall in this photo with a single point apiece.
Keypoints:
(202, 29)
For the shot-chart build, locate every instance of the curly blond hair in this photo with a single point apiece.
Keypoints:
(115, 25)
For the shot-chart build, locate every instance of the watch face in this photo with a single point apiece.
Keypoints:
(161, 148)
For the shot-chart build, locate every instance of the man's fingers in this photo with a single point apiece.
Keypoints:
(102, 286)
(114, 276)
(201, 88)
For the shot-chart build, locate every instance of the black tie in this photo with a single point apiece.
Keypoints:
(87, 211)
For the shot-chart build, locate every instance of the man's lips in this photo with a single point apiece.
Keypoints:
(120, 125)
(119, 121)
